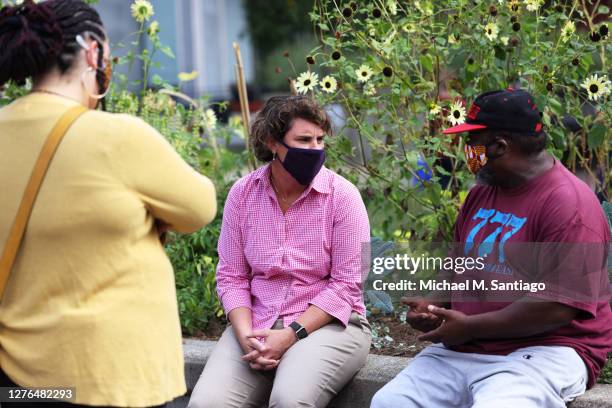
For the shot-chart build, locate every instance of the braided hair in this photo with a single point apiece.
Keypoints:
(35, 38)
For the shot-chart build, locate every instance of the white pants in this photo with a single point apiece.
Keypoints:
(531, 377)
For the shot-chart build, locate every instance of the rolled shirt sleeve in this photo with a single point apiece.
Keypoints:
(351, 235)
(233, 272)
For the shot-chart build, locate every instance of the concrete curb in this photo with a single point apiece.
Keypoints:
(357, 394)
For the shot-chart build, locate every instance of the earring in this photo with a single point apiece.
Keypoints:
(273, 156)
(93, 96)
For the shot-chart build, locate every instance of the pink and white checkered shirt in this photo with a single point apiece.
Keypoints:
(278, 264)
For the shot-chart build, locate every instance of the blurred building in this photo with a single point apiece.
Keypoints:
(200, 33)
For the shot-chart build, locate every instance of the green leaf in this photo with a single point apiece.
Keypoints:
(426, 62)
(556, 106)
(435, 194)
(442, 171)
(379, 300)
(596, 136)
(500, 53)
(558, 137)
(167, 51)
(157, 80)
(323, 26)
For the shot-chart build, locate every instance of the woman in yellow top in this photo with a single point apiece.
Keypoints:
(90, 302)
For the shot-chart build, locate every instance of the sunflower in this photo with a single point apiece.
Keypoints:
(514, 6)
(306, 82)
(569, 28)
(369, 89)
(329, 84)
(597, 87)
(457, 113)
(434, 109)
(453, 38)
(409, 28)
(533, 5)
(153, 29)
(142, 10)
(364, 73)
(491, 30)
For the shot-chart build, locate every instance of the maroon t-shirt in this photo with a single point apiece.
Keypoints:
(555, 207)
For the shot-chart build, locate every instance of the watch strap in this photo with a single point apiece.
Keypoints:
(300, 331)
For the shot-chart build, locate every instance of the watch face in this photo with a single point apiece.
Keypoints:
(301, 333)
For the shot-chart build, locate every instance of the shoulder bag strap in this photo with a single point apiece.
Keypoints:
(27, 202)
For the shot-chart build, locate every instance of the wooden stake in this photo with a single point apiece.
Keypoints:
(292, 89)
(244, 102)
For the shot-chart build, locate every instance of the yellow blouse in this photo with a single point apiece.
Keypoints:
(91, 301)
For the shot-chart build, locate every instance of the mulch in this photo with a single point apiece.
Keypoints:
(404, 344)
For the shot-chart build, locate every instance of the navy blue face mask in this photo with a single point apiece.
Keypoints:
(303, 164)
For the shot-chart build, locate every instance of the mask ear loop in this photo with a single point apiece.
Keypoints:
(83, 44)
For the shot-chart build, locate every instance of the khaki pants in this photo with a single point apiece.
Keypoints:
(309, 374)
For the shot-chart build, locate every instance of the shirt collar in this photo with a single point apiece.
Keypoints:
(321, 182)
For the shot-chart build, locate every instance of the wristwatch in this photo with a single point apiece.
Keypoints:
(300, 331)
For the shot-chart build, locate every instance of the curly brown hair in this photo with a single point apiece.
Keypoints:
(276, 118)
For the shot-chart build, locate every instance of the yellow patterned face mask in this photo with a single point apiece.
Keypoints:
(476, 157)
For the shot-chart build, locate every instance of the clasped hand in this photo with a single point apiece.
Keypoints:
(265, 355)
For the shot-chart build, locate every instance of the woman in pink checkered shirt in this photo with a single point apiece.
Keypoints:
(290, 273)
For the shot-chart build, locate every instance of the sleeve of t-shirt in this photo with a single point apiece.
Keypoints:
(571, 255)
(171, 190)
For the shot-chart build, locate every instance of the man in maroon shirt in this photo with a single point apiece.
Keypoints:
(542, 348)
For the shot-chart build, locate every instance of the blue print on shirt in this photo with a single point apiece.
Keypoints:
(510, 222)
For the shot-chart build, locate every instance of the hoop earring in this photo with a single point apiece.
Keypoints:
(93, 96)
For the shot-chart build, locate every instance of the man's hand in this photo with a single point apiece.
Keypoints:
(419, 316)
(276, 344)
(453, 330)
